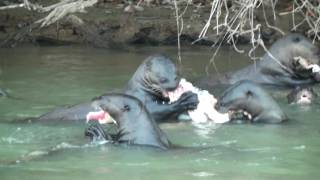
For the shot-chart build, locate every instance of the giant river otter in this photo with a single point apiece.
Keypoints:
(252, 102)
(135, 125)
(290, 63)
(150, 84)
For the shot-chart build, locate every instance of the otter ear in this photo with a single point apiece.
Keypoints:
(126, 108)
(296, 39)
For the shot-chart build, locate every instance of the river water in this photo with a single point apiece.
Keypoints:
(42, 78)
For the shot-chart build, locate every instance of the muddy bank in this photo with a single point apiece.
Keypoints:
(107, 25)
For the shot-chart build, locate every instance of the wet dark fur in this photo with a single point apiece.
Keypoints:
(155, 76)
(250, 97)
(281, 72)
(295, 95)
(135, 125)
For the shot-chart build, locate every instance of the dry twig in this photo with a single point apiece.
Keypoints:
(231, 22)
(56, 11)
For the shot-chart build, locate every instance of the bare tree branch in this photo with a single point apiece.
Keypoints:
(57, 11)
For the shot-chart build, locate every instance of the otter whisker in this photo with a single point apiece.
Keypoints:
(151, 87)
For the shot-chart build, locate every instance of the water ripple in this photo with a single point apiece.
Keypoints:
(301, 147)
(203, 174)
(12, 140)
(138, 164)
(262, 149)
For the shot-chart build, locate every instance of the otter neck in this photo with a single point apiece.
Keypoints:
(145, 131)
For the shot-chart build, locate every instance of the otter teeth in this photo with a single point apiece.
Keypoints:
(245, 114)
(302, 61)
(164, 102)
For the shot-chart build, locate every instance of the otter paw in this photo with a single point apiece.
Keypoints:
(96, 133)
(189, 100)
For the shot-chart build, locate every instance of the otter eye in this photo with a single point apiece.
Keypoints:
(163, 80)
(249, 93)
(126, 107)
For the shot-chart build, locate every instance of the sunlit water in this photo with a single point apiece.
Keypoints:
(47, 77)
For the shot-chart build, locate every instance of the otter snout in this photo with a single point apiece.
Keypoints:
(220, 107)
(173, 85)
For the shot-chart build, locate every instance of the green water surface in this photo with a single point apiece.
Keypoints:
(47, 77)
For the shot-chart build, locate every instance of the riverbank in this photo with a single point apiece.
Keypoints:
(113, 24)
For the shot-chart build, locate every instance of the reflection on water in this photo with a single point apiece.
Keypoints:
(205, 130)
(47, 77)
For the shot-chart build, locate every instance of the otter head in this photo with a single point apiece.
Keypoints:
(295, 53)
(160, 75)
(251, 101)
(302, 96)
(118, 105)
(134, 123)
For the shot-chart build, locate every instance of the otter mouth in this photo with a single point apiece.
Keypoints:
(175, 93)
(306, 68)
(304, 100)
(167, 92)
(240, 114)
(158, 91)
(101, 116)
